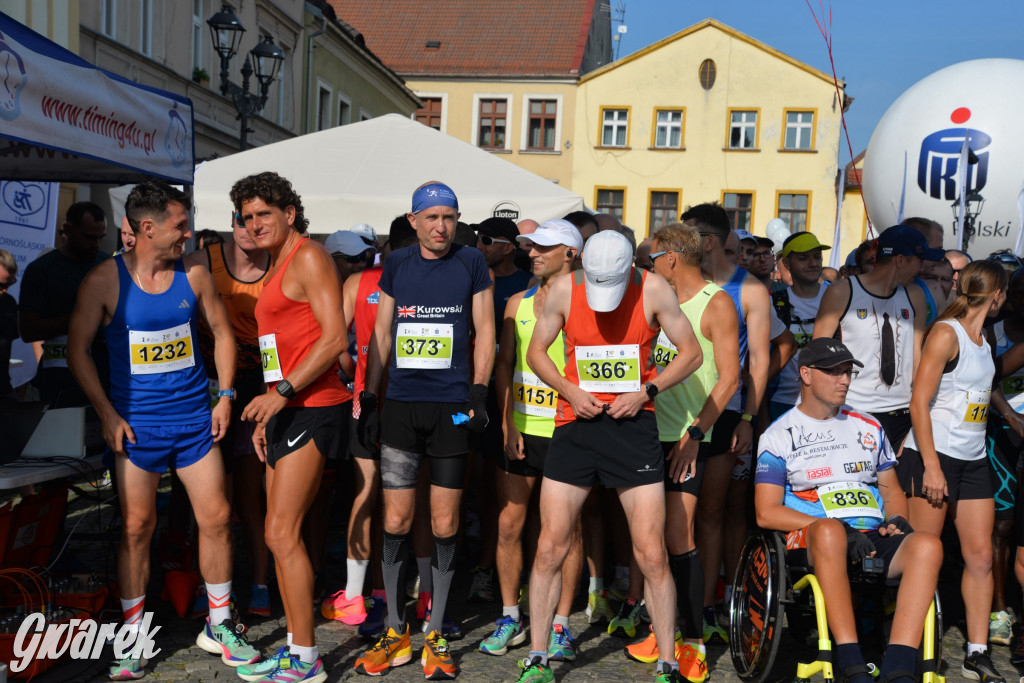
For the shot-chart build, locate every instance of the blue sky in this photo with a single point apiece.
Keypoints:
(880, 48)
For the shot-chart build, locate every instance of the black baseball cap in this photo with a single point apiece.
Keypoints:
(497, 226)
(824, 352)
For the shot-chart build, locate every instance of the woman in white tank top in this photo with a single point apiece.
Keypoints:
(944, 464)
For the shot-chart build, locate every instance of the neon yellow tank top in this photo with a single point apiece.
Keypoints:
(533, 402)
(677, 407)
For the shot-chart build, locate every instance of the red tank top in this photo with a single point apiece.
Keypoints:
(363, 319)
(293, 330)
(609, 348)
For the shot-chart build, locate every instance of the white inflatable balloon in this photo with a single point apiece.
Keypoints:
(915, 150)
(777, 231)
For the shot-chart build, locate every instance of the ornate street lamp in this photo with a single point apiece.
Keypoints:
(972, 209)
(227, 30)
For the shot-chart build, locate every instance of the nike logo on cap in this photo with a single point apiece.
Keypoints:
(601, 282)
(292, 442)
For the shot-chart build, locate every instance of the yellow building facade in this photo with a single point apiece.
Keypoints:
(526, 122)
(709, 114)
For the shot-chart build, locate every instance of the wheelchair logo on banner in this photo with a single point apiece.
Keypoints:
(24, 204)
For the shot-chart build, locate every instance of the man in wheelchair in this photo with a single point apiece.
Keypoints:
(825, 476)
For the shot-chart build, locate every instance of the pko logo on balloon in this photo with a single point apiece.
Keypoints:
(938, 167)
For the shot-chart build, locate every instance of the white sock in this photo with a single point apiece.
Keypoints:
(426, 578)
(306, 655)
(218, 596)
(559, 619)
(975, 647)
(511, 612)
(289, 640)
(356, 577)
(596, 584)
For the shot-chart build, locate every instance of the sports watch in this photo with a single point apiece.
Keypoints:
(695, 433)
(230, 393)
(652, 390)
(285, 388)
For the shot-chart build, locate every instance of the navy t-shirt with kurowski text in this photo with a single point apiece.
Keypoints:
(430, 347)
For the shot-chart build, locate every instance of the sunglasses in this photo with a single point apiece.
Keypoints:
(4, 286)
(837, 372)
(658, 254)
(765, 255)
(238, 219)
(487, 240)
(358, 258)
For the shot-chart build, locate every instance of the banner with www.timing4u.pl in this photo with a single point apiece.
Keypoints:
(61, 118)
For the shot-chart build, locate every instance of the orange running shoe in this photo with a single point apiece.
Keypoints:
(392, 649)
(646, 650)
(339, 607)
(437, 660)
(693, 666)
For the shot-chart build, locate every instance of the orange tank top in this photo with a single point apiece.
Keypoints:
(364, 318)
(287, 331)
(239, 299)
(606, 353)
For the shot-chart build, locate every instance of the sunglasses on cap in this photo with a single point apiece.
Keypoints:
(487, 240)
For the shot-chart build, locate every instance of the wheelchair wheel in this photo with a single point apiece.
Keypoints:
(755, 610)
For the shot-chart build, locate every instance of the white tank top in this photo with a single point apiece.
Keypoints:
(862, 328)
(959, 409)
(801, 324)
(1013, 385)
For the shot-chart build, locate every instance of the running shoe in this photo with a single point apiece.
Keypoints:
(713, 632)
(646, 650)
(693, 666)
(524, 600)
(482, 587)
(598, 607)
(227, 639)
(437, 661)
(999, 631)
(535, 672)
(509, 633)
(391, 649)
(667, 674)
(624, 623)
(129, 669)
(259, 601)
(340, 607)
(292, 670)
(561, 645)
(264, 667)
(422, 606)
(978, 667)
(449, 629)
(376, 613)
(1017, 646)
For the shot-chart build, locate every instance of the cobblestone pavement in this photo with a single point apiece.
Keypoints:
(600, 655)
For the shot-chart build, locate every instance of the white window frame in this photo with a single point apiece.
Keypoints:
(322, 85)
(443, 96)
(108, 16)
(615, 124)
(524, 136)
(475, 131)
(198, 29)
(281, 84)
(365, 115)
(669, 127)
(146, 28)
(743, 124)
(802, 128)
(347, 101)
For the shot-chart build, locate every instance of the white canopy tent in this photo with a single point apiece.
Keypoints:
(366, 173)
(63, 119)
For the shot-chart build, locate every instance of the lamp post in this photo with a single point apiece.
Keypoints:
(972, 209)
(264, 60)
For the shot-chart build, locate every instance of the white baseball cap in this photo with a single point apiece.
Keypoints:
(607, 265)
(365, 231)
(346, 242)
(555, 231)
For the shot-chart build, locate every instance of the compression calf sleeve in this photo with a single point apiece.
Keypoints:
(394, 555)
(689, 577)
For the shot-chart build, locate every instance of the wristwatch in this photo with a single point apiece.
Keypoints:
(230, 393)
(285, 388)
(652, 390)
(747, 417)
(695, 433)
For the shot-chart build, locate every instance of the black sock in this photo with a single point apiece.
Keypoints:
(394, 557)
(442, 568)
(849, 655)
(900, 658)
(689, 576)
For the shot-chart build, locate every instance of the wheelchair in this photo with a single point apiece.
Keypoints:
(766, 592)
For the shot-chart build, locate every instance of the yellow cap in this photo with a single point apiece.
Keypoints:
(801, 242)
